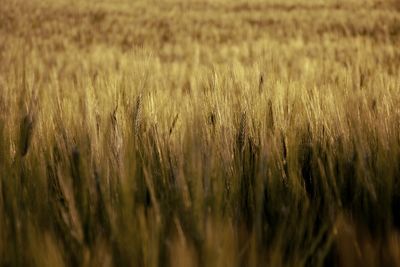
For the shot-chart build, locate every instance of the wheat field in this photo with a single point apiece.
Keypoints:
(199, 133)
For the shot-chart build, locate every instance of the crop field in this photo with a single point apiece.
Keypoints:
(199, 133)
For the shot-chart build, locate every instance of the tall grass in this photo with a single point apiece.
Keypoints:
(234, 134)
